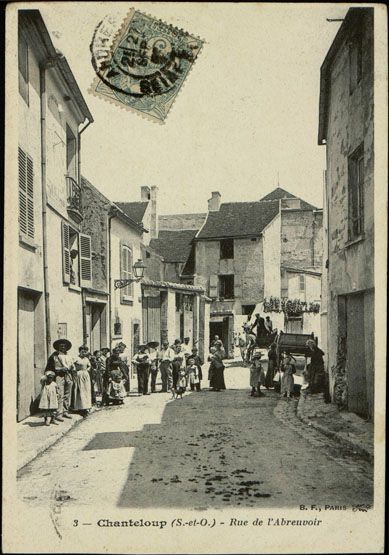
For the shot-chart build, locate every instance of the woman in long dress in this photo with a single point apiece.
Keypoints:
(316, 373)
(82, 383)
(216, 372)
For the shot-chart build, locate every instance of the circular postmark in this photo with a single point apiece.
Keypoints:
(144, 58)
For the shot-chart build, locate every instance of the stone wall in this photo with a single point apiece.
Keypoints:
(351, 264)
(246, 266)
(95, 223)
(301, 238)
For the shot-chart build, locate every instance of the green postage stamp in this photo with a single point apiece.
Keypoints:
(142, 64)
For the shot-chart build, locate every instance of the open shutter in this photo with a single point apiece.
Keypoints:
(123, 267)
(30, 198)
(213, 286)
(22, 159)
(237, 286)
(85, 260)
(65, 253)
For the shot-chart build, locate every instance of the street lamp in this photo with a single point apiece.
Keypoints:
(138, 269)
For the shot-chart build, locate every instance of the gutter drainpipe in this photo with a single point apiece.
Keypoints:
(42, 79)
(84, 330)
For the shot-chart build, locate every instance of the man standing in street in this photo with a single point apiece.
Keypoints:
(62, 364)
(166, 357)
(142, 363)
(185, 349)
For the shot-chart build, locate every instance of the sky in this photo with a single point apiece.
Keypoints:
(245, 120)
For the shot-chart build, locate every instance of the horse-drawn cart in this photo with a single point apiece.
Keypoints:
(293, 344)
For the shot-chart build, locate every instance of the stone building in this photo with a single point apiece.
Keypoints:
(54, 256)
(247, 253)
(346, 128)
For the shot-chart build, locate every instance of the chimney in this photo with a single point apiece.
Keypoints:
(145, 193)
(214, 202)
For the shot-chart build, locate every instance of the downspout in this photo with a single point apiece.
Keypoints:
(42, 79)
(110, 216)
(84, 330)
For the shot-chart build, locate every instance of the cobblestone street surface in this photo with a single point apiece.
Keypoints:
(207, 450)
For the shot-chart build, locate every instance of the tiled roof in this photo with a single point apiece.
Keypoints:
(134, 210)
(174, 246)
(280, 193)
(239, 219)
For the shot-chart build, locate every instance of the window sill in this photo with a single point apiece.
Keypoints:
(74, 287)
(354, 241)
(28, 242)
(127, 300)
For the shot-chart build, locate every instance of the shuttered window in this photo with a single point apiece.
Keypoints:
(126, 271)
(213, 286)
(26, 194)
(85, 260)
(65, 253)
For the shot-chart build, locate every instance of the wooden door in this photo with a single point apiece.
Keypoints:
(294, 325)
(26, 355)
(355, 365)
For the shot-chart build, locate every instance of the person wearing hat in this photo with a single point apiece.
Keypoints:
(62, 365)
(142, 364)
(166, 356)
(185, 349)
(257, 375)
(153, 355)
(124, 357)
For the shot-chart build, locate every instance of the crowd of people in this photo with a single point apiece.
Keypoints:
(74, 385)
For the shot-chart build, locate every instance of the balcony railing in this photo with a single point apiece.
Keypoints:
(73, 198)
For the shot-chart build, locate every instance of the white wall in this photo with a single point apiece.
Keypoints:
(126, 311)
(272, 258)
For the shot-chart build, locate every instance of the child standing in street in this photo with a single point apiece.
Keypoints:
(287, 380)
(49, 397)
(193, 375)
(256, 375)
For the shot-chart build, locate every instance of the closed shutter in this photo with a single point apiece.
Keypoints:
(213, 286)
(65, 253)
(85, 260)
(26, 194)
(126, 270)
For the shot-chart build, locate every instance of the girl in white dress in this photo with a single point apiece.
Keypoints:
(48, 402)
(82, 383)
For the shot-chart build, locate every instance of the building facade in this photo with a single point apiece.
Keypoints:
(54, 256)
(346, 128)
(247, 255)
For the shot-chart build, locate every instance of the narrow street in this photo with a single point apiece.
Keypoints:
(206, 450)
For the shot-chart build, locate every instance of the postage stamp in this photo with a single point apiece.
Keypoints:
(142, 64)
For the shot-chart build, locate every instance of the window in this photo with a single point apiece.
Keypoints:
(126, 271)
(148, 255)
(355, 193)
(226, 249)
(355, 61)
(226, 287)
(23, 66)
(248, 309)
(76, 257)
(179, 302)
(302, 283)
(26, 194)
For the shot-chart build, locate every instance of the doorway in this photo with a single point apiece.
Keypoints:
(355, 365)
(221, 328)
(96, 326)
(26, 354)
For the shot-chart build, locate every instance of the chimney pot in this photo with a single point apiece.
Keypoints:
(214, 202)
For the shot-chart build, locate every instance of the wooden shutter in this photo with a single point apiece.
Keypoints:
(65, 253)
(126, 270)
(213, 286)
(85, 261)
(26, 194)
